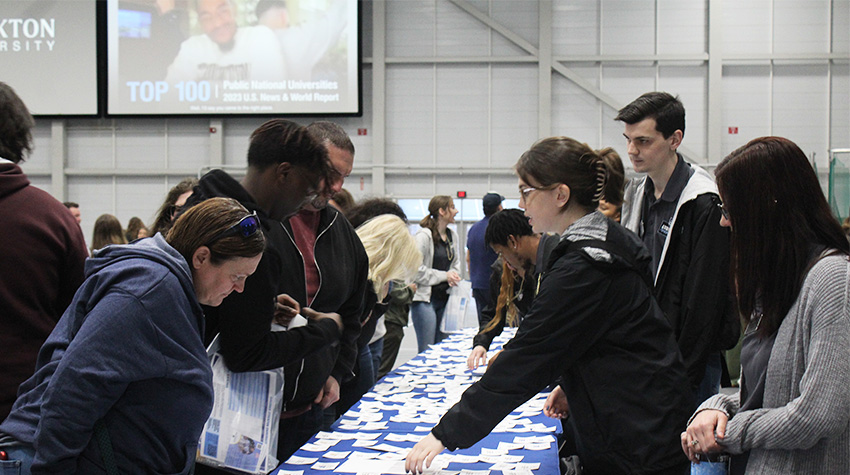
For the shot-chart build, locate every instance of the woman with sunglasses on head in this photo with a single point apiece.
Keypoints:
(791, 273)
(440, 270)
(593, 327)
(123, 383)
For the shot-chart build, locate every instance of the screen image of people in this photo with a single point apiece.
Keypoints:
(232, 56)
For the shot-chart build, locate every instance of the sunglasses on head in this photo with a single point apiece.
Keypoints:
(246, 227)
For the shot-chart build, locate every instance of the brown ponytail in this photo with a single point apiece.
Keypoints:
(615, 176)
(434, 206)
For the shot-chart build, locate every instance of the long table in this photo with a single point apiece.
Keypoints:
(374, 435)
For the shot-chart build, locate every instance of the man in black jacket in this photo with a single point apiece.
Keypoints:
(675, 209)
(285, 167)
(325, 268)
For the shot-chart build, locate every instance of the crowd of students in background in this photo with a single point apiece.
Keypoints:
(626, 296)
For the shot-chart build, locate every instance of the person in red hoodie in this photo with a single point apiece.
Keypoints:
(44, 251)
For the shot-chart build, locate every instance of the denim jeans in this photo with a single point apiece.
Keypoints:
(710, 384)
(296, 431)
(377, 349)
(19, 462)
(427, 317)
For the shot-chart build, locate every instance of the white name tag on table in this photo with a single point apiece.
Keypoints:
(385, 467)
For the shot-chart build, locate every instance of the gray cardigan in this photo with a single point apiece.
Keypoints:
(804, 426)
(427, 276)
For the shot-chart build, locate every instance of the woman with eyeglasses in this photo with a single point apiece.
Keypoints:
(123, 383)
(594, 328)
(792, 277)
(440, 270)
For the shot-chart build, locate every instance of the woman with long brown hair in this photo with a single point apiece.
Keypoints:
(791, 273)
(107, 230)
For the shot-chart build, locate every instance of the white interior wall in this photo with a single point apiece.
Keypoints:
(465, 89)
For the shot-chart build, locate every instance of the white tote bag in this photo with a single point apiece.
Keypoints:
(460, 310)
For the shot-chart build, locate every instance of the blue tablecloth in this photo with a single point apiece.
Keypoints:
(404, 405)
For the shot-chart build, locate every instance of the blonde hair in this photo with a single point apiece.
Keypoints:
(392, 251)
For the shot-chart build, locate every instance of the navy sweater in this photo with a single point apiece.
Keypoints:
(129, 351)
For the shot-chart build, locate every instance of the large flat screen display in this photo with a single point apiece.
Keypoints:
(48, 53)
(209, 57)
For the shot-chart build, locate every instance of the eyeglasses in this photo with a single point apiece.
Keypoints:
(724, 211)
(247, 227)
(524, 192)
(332, 176)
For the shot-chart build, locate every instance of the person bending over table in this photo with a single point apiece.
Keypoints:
(124, 380)
(514, 276)
(594, 323)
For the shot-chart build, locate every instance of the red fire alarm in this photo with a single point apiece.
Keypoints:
(733, 130)
(362, 132)
(461, 194)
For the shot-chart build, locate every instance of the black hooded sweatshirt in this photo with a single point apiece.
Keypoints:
(244, 319)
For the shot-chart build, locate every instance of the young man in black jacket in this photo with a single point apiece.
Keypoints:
(285, 168)
(325, 268)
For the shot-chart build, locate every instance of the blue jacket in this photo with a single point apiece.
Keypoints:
(129, 351)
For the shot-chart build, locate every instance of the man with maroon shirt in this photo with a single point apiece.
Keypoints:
(286, 165)
(41, 265)
(335, 268)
